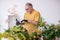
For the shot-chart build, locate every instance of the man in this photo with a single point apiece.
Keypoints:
(31, 18)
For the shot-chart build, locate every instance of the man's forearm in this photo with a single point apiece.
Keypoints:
(33, 22)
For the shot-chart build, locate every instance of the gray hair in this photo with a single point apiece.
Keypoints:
(29, 4)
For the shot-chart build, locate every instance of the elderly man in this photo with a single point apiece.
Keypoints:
(31, 18)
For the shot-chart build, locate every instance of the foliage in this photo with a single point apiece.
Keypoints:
(1, 36)
(51, 33)
(20, 33)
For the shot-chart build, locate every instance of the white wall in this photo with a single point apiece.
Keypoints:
(49, 9)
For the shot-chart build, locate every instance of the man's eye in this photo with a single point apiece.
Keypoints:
(26, 9)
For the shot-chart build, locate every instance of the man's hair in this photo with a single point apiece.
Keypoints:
(29, 4)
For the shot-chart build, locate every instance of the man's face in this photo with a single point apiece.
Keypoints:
(28, 8)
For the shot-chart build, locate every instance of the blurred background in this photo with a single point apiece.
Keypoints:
(49, 10)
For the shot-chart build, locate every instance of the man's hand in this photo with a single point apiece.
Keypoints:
(24, 21)
(30, 21)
